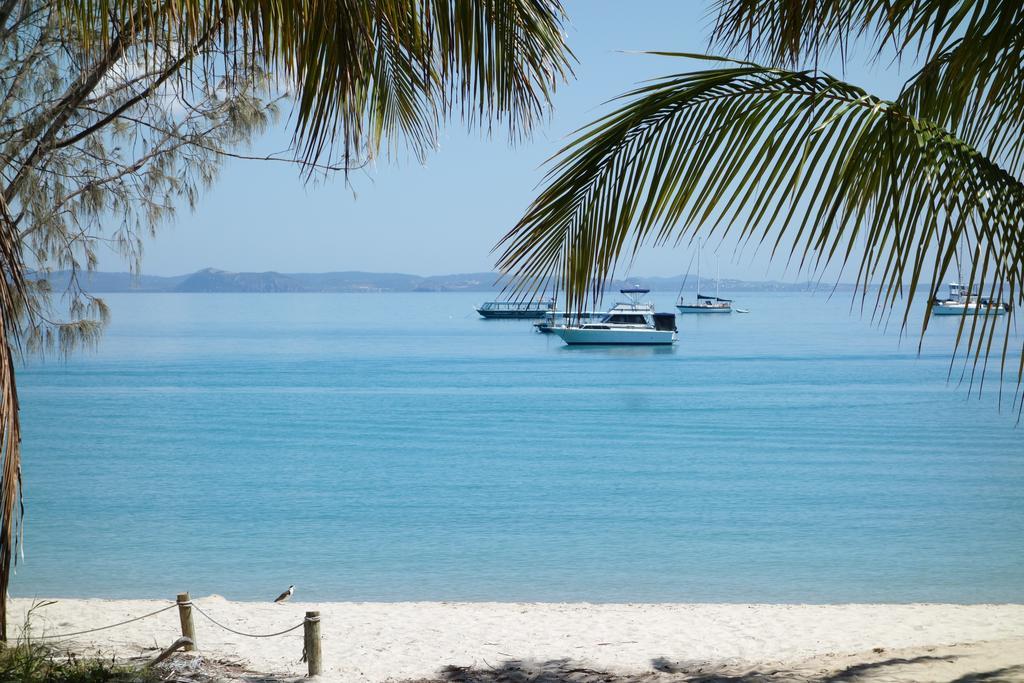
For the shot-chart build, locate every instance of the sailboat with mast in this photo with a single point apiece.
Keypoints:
(703, 303)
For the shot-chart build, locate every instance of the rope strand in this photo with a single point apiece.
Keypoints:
(103, 628)
(248, 635)
(164, 609)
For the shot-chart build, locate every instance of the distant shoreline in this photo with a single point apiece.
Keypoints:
(375, 642)
(212, 281)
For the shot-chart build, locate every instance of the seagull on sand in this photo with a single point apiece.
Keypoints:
(283, 597)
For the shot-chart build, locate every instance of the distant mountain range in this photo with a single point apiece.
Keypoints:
(211, 280)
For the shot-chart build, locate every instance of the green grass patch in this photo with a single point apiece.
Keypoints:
(28, 662)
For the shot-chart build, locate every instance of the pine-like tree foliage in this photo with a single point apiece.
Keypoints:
(771, 150)
(115, 112)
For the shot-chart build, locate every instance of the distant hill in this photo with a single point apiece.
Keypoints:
(101, 282)
(358, 281)
(212, 280)
(464, 282)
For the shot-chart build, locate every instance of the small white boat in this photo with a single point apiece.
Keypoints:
(961, 301)
(633, 323)
(704, 304)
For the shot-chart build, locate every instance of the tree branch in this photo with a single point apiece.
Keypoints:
(146, 92)
(61, 113)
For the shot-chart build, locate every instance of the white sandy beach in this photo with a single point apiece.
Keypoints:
(394, 641)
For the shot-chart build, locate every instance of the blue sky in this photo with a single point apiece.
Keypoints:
(445, 216)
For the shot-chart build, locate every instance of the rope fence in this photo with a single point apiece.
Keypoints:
(311, 624)
(249, 635)
(104, 628)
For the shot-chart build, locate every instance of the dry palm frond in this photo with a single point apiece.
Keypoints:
(12, 288)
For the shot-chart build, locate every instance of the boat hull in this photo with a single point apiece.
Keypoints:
(704, 309)
(580, 336)
(511, 315)
(959, 309)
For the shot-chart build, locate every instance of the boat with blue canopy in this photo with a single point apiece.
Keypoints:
(521, 310)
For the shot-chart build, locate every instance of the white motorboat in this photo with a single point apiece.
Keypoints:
(704, 304)
(961, 301)
(633, 323)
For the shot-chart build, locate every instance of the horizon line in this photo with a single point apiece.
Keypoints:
(678, 276)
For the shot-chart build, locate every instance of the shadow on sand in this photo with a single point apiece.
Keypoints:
(1009, 673)
(665, 671)
(884, 669)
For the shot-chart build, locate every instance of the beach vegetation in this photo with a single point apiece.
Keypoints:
(33, 662)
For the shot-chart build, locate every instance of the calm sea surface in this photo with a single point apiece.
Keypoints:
(397, 447)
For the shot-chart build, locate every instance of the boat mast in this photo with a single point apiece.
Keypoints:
(698, 270)
(718, 273)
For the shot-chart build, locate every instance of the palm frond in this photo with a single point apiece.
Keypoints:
(790, 32)
(970, 80)
(782, 33)
(775, 157)
(366, 71)
(974, 85)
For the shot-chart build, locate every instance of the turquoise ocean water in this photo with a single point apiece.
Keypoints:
(396, 447)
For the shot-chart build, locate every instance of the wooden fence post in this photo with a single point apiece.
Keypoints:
(311, 631)
(188, 628)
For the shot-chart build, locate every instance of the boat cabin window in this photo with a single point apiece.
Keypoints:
(626, 319)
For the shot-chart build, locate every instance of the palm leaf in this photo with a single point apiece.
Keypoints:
(973, 85)
(789, 32)
(366, 71)
(780, 158)
(970, 80)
